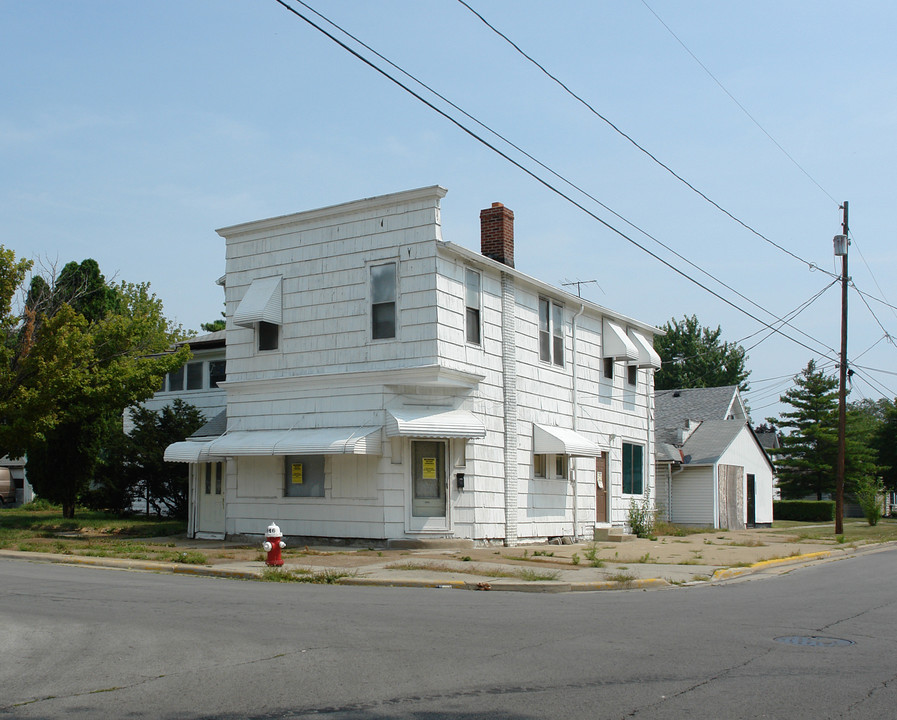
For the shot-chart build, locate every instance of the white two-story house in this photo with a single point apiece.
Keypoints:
(383, 383)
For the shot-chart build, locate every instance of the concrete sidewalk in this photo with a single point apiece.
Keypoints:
(639, 564)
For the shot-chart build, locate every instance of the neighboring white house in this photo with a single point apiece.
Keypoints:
(385, 384)
(197, 382)
(711, 468)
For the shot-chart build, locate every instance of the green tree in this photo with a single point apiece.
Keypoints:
(77, 354)
(694, 356)
(164, 484)
(805, 463)
(885, 442)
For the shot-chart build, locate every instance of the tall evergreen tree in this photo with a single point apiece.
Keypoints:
(694, 357)
(885, 443)
(164, 484)
(806, 461)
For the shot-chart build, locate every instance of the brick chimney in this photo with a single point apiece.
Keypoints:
(497, 233)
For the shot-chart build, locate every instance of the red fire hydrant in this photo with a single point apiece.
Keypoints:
(273, 545)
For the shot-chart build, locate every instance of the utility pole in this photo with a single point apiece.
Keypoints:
(842, 241)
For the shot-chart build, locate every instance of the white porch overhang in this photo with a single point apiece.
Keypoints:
(433, 422)
(616, 344)
(647, 355)
(549, 440)
(262, 303)
(189, 452)
(319, 441)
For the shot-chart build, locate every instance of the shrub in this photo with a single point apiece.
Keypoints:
(804, 510)
(869, 491)
(641, 518)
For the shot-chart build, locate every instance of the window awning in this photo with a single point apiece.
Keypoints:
(189, 452)
(615, 343)
(320, 441)
(549, 440)
(261, 303)
(433, 422)
(647, 355)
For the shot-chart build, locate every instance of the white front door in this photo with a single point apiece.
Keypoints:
(429, 506)
(210, 514)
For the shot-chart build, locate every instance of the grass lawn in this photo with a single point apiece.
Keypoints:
(92, 533)
(856, 530)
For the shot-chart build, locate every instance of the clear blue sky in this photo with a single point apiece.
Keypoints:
(130, 131)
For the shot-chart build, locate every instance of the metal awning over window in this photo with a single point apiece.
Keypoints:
(433, 422)
(261, 303)
(549, 440)
(647, 355)
(615, 343)
(189, 452)
(320, 441)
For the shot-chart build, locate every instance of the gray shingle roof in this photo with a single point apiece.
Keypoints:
(672, 408)
(710, 441)
(214, 427)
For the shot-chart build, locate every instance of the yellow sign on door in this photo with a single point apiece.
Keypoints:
(296, 473)
(428, 468)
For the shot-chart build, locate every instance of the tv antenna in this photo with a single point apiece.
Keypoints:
(579, 284)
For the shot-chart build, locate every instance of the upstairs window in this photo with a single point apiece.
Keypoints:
(268, 335)
(472, 303)
(609, 368)
(176, 380)
(383, 301)
(217, 372)
(632, 374)
(194, 376)
(551, 332)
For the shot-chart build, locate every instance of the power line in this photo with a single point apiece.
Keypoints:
(777, 144)
(742, 107)
(810, 265)
(526, 170)
(560, 177)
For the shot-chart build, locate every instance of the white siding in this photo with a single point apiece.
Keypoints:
(745, 452)
(328, 372)
(693, 496)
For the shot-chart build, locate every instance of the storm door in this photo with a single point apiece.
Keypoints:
(601, 480)
(428, 487)
(211, 500)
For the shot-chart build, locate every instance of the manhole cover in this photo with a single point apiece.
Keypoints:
(813, 641)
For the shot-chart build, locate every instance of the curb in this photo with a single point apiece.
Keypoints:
(124, 564)
(729, 573)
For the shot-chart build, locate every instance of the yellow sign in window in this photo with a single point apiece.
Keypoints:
(296, 473)
(428, 468)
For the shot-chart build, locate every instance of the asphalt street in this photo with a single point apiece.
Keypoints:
(81, 642)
